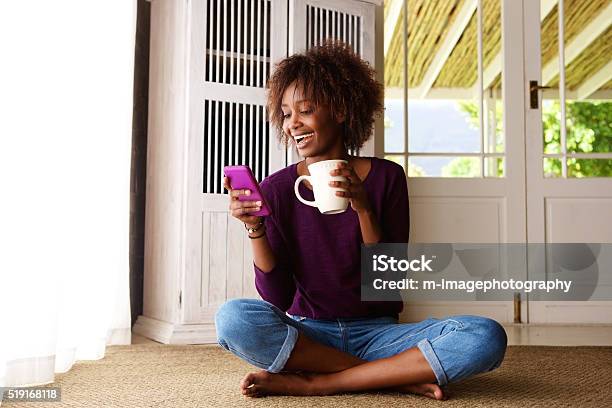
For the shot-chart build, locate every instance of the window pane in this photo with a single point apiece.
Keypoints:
(394, 125)
(492, 80)
(552, 167)
(589, 127)
(399, 159)
(443, 126)
(444, 166)
(551, 104)
(394, 53)
(551, 116)
(587, 120)
(589, 167)
(444, 102)
(494, 167)
(493, 122)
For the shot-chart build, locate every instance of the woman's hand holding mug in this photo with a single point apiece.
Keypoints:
(354, 187)
(241, 209)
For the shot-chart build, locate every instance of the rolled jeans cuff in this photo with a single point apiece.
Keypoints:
(285, 351)
(429, 354)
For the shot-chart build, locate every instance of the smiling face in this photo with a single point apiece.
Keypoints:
(310, 128)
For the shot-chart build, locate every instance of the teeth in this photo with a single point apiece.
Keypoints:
(299, 138)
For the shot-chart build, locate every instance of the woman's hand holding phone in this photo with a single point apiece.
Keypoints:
(241, 209)
(263, 256)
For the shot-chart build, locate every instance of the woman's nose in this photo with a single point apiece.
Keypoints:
(294, 122)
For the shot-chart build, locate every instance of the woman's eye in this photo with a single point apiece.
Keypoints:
(306, 112)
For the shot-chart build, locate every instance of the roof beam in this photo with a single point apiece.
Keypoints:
(434, 93)
(592, 84)
(603, 94)
(581, 41)
(450, 40)
(395, 7)
(495, 66)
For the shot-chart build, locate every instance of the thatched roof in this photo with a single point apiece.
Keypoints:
(461, 68)
(430, 22)
(591, 60)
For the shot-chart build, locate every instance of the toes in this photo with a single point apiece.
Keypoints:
(248, 380)
(253, 391)
(250, 385)
(427, 390)
(439, 394)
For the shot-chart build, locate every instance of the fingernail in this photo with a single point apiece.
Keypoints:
(247, 192)
(258, 203)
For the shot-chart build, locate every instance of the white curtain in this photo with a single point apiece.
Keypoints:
(66, 81)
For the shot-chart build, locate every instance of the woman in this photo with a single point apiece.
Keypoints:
(312, 335)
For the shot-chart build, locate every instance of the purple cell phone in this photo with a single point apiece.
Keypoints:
(241, 177)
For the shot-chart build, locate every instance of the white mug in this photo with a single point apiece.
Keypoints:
(325, 196)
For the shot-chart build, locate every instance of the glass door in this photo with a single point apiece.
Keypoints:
(454, 119)
(568, 89)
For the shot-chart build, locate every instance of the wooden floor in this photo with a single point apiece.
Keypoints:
(526, 335)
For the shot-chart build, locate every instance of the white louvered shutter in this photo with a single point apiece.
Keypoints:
(233, 47)
(243, 40)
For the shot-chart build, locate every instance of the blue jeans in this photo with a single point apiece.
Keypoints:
(456, 347)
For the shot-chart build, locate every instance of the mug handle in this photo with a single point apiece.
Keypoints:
(297, 190)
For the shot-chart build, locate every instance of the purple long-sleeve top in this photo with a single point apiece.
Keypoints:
(318, 257)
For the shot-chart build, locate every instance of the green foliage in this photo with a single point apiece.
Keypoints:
(588, 130)
(415, 170)
(471, 109)
(588, 127)
(462, 167)
(469, 166)
(472, 113)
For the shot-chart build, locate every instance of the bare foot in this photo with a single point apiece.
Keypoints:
(432, 391)
(264, 383)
